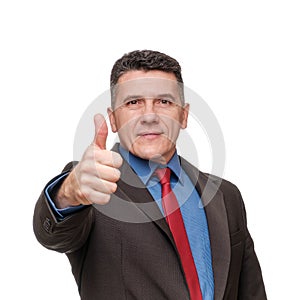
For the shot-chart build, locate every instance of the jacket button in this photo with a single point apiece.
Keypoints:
(47, 225)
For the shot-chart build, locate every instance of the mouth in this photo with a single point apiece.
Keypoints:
(150, 135)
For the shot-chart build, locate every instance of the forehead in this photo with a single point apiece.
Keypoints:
(146, 84)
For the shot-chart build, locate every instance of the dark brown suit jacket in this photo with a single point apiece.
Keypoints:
(125, 250)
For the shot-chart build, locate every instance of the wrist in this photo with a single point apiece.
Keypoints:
(65, 196)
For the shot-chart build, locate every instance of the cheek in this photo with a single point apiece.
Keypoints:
(126, 125)
(121, 120)
(172, 124)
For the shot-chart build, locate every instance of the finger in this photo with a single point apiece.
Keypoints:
(108, 173)
(95, 197)
(100, 198)
(108, 158)
(99, 186)
(101, 131)
(105, 187)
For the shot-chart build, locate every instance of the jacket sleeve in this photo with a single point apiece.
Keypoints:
(251, 285)
(64, 236)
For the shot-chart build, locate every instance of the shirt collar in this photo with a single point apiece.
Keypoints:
(145, 168)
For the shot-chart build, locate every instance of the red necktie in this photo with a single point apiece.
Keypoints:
(175, 221)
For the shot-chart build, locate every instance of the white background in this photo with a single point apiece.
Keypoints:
(242, 57)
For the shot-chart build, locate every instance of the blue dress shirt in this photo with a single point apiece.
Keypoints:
(191, 208)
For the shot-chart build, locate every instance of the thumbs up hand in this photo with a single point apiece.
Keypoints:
(94, 178)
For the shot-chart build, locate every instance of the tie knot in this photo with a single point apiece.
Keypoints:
(163, 175)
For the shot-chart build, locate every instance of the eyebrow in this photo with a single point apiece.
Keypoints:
(133, 97)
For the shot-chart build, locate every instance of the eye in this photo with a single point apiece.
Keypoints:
(164, 102)
(132, 102)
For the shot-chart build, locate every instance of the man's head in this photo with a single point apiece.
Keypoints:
(145, 60)
(148, 109)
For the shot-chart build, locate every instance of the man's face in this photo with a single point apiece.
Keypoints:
(148, 114)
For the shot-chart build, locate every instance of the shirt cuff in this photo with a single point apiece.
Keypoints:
(60, 213)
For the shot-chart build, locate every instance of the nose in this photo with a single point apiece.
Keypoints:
(149, 115)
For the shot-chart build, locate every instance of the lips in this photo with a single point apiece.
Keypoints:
(149, 135)
(143, 133)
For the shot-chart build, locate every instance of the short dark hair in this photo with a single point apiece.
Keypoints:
(145, 60)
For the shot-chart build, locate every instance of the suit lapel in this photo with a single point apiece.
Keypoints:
(134, 192)
(213, 201)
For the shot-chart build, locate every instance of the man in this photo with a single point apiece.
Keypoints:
(135, 222)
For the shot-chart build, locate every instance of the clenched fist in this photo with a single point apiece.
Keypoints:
(94, 178)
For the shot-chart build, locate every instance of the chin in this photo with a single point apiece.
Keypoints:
(156, 156)
(155, 151)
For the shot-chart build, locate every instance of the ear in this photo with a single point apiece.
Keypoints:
(185, 114)
(112, 120)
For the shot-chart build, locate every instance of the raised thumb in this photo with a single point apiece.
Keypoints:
(101, 131)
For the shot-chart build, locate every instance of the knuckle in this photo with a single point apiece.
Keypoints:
(115, 175)
(110, 158)
(103, 199)
(117, 160)
(84, 180)
(108, 187)
(102, 156)
(84, 167)
(106, 199)
(113, 188)
(82, 194)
